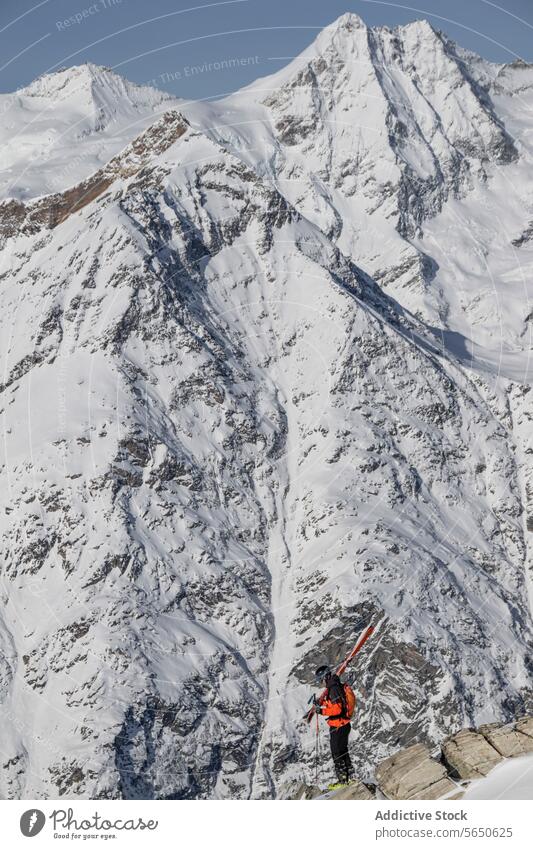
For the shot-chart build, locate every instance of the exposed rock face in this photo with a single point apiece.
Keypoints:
(508, 741)
(469, 755)
(525, 726)
(413, 774)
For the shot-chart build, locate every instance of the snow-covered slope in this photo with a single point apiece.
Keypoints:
(416, 159)
(512, 779)
(65, 125)
(226, 446)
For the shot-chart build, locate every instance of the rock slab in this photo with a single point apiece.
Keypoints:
(469, 755)
(413, 774)
(525, 726)
(508, 741)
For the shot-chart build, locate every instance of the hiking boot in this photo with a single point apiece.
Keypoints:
(337, 786)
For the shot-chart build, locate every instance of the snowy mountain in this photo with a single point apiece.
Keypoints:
(416, 159)
(65, 125)
(252, 397)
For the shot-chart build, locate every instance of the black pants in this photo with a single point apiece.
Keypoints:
(338, 738)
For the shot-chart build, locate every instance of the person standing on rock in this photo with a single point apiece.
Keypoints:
(337, 704)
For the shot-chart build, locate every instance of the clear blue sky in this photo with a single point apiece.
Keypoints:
(163, 41)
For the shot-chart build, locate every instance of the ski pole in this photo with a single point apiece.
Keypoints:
(317, 743)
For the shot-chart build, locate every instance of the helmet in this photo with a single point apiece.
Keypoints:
(323, 673)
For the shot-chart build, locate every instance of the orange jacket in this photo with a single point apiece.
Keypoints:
(333, 711)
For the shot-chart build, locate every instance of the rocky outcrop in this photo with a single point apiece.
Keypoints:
(508, 741)
(413, 774)
(469, 755)
(525, 726)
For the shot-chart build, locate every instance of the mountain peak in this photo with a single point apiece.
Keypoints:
(99, 113)
(89, 79)
(59, 82)
(342, 28)
(348, 21)
(421, 25)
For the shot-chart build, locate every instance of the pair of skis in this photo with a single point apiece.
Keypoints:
(368, 631)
